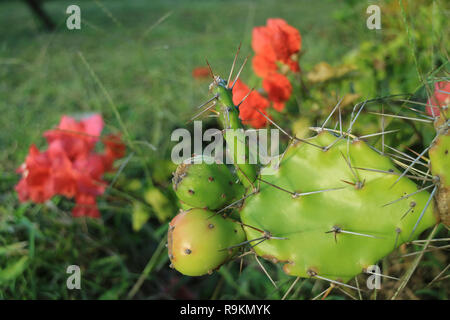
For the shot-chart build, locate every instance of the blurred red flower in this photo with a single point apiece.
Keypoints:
(264, 64)
(36, 183)
(200, 72)
(86, 206)
(277, 41)
(77, 137)
(440, 98)
(248, 110)
(278, 88)
(114, 149)
(70, 166)
(62, 172)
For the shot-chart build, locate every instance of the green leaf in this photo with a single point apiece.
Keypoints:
(17, 247)
(140, 216)
(160, 204)
(13, 270)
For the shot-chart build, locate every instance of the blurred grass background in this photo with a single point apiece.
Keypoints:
(143, 53)
(145, 63)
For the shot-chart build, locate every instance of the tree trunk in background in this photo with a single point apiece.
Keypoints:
(36, 7)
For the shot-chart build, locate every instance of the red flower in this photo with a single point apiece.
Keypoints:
(77, 137)
(36, 183)
(86, 206)
(89, 172)
(62, 171)
(70, 166)
(114, 149)
(440, 98)
(277, 41)
(200, 72)
(263, 65)
(286, 40)
(248, 110)
(278, 88)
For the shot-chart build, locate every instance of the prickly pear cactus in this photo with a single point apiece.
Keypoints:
(335, 205)
(331, 209)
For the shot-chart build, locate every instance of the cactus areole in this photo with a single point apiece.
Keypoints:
(334, 207)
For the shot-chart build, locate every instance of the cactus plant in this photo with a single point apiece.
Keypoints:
(335, 206)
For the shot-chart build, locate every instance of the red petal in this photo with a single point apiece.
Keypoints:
(36, 183)
(200, 72)
(440, 98)
(263, 65)
(277, 41)
(291, 35)
(278, 88)
(261, 40)
(248, 109)
(86, 206)
(78, 138)
(114, 149)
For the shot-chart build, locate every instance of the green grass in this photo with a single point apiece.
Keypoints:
(145, 68)
(142, 53)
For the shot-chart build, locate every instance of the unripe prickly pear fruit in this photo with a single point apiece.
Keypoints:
(204, 185)
(198, 240)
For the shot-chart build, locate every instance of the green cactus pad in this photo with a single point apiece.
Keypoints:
(336, 233)
(237, 145)
(198, 240)
(440, 166)
(203, 185)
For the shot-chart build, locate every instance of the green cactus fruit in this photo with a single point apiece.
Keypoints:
(198, 240)
(328, 213)
(440, 167)
(184, 206)
(206, 184)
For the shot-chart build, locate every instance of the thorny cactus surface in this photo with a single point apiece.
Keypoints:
(440, 167)
(335, 206)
